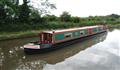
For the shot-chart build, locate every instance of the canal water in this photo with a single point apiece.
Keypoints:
(99, 52)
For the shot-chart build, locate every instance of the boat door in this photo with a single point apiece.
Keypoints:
(90, 30)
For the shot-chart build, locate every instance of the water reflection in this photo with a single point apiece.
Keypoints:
(36, 65)
(1, 57)
(12, 56)
(102, 56)
(11, 52)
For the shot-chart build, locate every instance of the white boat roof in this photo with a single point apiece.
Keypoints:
(70, 29)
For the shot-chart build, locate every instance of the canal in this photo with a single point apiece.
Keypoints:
(78, 56)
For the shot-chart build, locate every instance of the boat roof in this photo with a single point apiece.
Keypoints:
(67, 30)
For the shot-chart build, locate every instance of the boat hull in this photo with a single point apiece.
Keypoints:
(59, 45)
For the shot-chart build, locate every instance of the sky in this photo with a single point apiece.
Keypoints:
(85, 8)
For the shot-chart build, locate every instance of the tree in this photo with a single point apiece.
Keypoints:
(24, 11)
(8, 9)
(2, 13)
(35, 16)
(65, 17)
(114, 16)
(43, 6)
(76, 19)
(50, 17)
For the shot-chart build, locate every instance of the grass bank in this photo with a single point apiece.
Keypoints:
(16, 35)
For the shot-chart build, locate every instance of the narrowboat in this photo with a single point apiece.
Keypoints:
(53, 39)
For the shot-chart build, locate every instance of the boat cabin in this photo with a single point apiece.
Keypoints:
(58, 36)
(45, 38)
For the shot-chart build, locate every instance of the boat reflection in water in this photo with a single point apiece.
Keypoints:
(102, 56)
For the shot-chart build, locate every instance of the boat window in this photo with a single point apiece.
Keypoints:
(76, 34)
(46, 36)
(68, 35)
(40, 37)
(82, 32)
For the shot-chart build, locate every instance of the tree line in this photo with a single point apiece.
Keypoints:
(92, 20)
(16, 17)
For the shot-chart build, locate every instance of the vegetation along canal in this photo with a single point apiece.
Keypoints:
(12, 56)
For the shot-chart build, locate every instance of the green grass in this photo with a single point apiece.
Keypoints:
(13, 35)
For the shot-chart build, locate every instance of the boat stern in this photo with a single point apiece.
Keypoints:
(31, 48)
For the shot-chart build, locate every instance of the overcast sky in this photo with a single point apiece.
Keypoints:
(84, 8)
